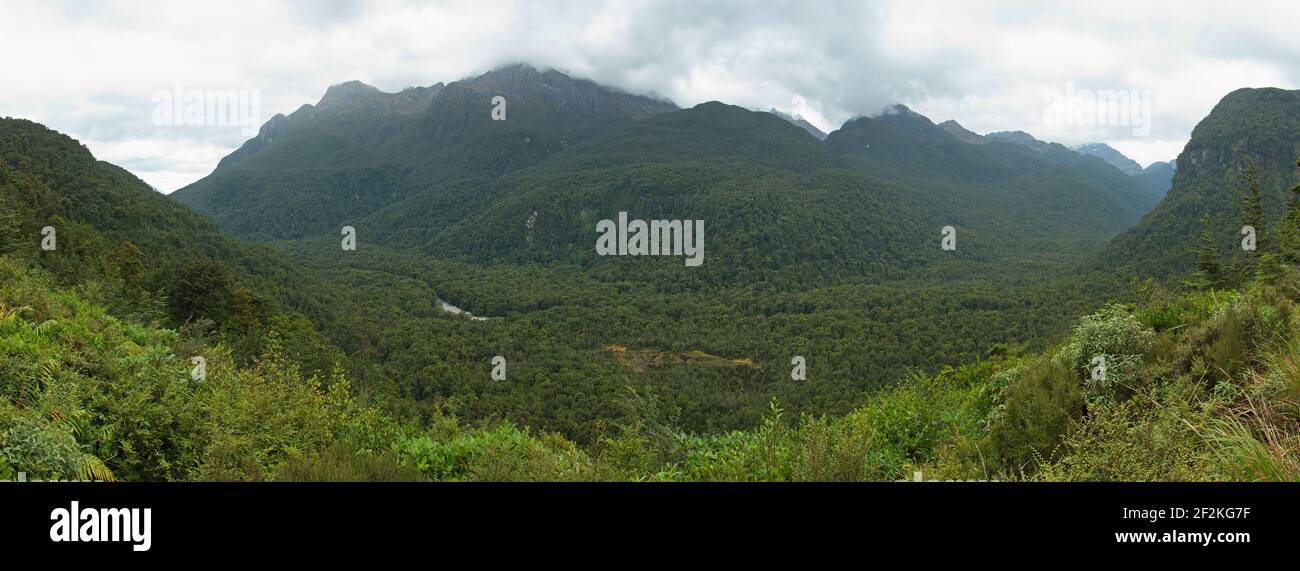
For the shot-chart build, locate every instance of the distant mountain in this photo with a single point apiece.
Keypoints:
(360, 149)
(1259, 125)
(1158, 176)
(801, 123)
(904, 145)
(960, 132)
(1107, 153)
(1022, 138)
(869, 202)
(773, 199)
(1012, 186)
(429, 170)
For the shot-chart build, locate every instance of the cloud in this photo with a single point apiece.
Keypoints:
(92, 69)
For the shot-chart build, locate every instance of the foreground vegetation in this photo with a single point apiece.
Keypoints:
(1202, 386)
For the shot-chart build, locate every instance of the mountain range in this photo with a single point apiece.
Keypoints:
(429, 170)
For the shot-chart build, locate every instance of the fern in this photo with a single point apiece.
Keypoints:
(91, 468)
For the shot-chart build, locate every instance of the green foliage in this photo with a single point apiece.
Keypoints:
(85, 395)
(1209, 272)
(1039, 401)
(201, 289)
(1252, 125)
(1114, 335)
(341, 463)
(1129, 441)
(360, 150)
(499, 454)
(1289, 226)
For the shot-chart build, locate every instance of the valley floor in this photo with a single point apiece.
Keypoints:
(1202, 386)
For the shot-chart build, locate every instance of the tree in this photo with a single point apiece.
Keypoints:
(1289, 227)
(201, 289)
(129, 261)
(1208, 273)
(1251, 205)
(1250, 210)
(10, 229)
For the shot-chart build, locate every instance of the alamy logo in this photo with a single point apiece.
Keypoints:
(1099, 368)
(1105, 107)
(653, 238)
(498, 368)
(1248, 242)
(200, 370)
(104, 524)
(499, 108)
(800, 370)
(49, 239)
(181, 107)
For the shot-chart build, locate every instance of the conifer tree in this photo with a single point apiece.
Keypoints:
(1208, 273)
(1289, 228)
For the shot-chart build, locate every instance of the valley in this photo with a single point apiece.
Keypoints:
(964, 360)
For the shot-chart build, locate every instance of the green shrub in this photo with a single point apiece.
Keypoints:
(1039, 401)
(1130, 442)
(342, 463)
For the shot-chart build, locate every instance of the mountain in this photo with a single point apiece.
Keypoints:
(428, 170)
(1158, 176)
(773, 200)
(1107, 153)
(1261, 126)
(1011, 190)
(960, 132)
(868, 203)
(1022, 138)
(152, 258)
(801, 123)
(360, 149)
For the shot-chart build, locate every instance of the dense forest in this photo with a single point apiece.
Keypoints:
(1200, 386)
(324, 363)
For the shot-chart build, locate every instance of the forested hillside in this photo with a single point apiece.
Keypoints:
(360, 149)
(1200, 387)
(826, 336)
(430, 171)
(1015, 196)
(575, 340)
(780, 206)
(1250, 130)
(152, 260)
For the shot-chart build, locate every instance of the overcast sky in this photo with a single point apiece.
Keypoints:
(95, 69)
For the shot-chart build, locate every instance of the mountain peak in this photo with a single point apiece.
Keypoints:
(345, 93)
(1023, 138)
(899, 114)
(801, 123)
(1109, 154)
(961, 132)
(1013, 136)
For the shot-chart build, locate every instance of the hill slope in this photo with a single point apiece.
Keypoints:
(772, 199)
(360, 149)
(1257, 125)
(151, 257)
(1015, 193)
(1110, 155)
